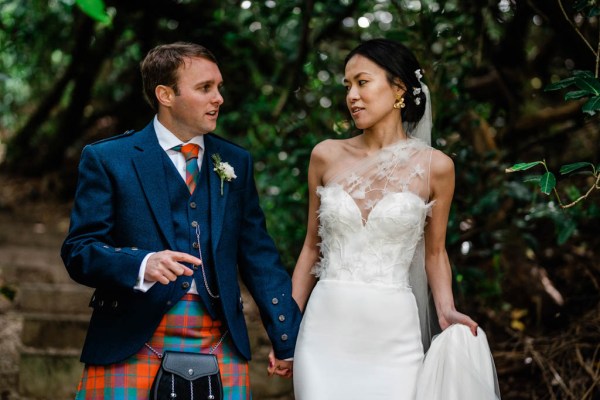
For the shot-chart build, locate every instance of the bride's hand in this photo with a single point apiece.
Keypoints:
(455, 317)
(282, 368)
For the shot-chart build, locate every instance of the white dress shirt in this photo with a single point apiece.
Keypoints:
(167, 140)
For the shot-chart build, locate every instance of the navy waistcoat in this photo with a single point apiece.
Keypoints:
(190, 211)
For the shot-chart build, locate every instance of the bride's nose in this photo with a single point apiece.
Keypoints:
(352, 95)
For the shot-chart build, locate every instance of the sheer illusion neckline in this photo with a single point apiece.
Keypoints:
(395, 146)
(364, 220)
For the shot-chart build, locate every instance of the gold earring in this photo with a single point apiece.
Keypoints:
(399, 103)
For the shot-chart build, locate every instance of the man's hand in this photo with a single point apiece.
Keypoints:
(165, 266)
(279, 367)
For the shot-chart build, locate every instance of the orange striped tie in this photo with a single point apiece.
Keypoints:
(190, 152)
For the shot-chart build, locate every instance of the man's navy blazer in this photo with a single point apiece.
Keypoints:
(122, 212)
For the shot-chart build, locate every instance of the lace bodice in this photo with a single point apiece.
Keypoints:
(371, 219)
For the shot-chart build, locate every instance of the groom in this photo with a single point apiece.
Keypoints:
(163, 222)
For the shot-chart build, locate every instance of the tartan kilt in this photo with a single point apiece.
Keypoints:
(186, 327)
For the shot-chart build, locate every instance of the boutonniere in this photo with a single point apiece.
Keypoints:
(223, 169)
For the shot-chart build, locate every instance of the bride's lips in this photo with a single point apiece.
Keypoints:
(356, 110)
(213, 114)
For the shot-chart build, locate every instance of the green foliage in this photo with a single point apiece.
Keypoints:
(547, 181)
(95, 9)
(588, 85)
(589, 7)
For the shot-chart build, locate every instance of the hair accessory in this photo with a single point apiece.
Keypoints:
(416, 91)
(418, 74)
(417, 100)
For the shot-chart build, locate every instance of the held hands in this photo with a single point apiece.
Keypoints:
(279, 367)
(454, 317)
(165, 266)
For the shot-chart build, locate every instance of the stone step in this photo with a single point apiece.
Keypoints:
(54, 331)
(9, 381)
(59, 298)
(49, 374)
(36, 231)
(30, 264)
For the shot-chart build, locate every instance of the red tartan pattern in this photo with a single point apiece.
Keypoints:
(186, 327)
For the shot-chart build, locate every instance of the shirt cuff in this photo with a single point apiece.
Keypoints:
(143, 285)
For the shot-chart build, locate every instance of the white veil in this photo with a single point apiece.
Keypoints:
(458, 366)
(418, 277)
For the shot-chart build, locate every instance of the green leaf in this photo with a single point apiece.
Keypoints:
(565, 169)
(594, 12)
(572, 192)
(576, 94)
(522, 166)
(547, 183)
(582, 73)
(95, 9)
(590, 84)
(560, 84)
(592, 105)
(533, 178)
(565, 231)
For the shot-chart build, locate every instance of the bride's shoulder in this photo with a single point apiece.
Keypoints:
(330, 149)
(441, 164)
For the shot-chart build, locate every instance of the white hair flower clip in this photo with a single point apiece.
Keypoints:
(418, 74)
(416, 91)
(417, 100)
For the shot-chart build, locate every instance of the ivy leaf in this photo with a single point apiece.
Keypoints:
(592, 105)
(592, 85)
(533, 178)
(560, 84)
(582, 73)
(95, 9)
(576, 94)
(568, 168)
(547, 183)
(522, 166)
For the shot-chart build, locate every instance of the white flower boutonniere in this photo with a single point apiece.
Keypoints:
(223, 169)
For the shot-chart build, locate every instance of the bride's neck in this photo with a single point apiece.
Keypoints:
(375, 138)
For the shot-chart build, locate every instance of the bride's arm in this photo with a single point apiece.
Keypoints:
(437, 265)
(303, 281)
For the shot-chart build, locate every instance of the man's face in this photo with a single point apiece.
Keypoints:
(194, 109)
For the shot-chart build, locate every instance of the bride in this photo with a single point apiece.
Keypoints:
(375, 245)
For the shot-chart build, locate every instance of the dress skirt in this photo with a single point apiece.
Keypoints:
(358, 341)
(186, 327)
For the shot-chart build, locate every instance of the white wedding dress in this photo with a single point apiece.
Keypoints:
(363, 332)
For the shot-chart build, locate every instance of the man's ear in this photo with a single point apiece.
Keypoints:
(164, 95)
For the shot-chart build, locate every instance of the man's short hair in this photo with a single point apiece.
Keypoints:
(160, 66)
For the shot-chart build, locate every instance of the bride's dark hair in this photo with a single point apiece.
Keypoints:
(399, 63)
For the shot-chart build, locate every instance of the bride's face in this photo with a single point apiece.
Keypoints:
(370, 96)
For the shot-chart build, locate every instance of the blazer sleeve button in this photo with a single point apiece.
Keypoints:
(281, 318)
(275, 300)
(185, 285)
(284, 337)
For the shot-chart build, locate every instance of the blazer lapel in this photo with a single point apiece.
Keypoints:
(151, 174)
(217, 200)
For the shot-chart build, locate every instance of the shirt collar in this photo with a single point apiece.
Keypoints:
(167, 140)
